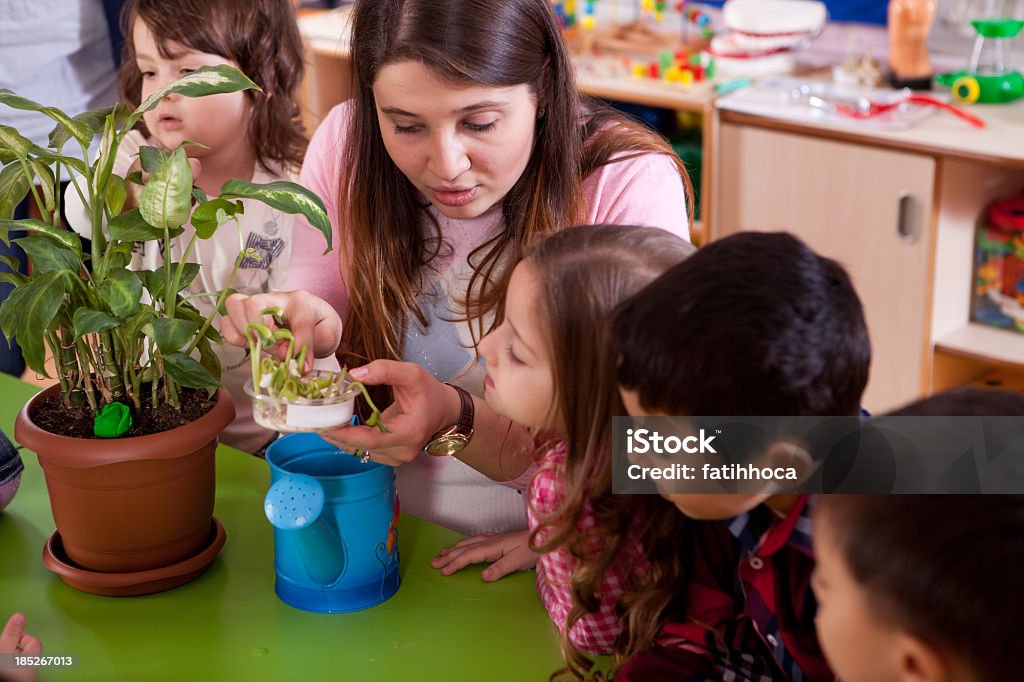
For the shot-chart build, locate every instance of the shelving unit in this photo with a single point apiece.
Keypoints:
(839, 187)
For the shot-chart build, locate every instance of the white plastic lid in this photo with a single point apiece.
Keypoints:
(769, 17)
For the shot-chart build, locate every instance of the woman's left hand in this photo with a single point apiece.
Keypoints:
(423, 406)
(506, 552)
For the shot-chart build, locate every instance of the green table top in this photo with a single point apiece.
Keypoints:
(229, 625)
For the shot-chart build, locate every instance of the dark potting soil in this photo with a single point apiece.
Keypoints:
(77, 422)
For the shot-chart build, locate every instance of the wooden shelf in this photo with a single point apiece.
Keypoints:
(997, 346)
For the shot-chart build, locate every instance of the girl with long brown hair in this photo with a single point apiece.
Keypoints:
(253, 135)
(464, 142)
(549, 369)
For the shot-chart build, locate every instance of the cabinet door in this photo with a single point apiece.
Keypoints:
(868, 208)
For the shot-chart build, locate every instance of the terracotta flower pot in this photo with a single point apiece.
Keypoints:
(130, 504)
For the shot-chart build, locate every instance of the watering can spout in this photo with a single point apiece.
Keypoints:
(295, 503)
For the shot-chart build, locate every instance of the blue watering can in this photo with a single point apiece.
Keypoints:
(335, 526)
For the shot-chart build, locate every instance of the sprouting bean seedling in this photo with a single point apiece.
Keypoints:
(283, 379)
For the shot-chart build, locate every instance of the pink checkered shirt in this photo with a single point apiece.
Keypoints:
(594, 632)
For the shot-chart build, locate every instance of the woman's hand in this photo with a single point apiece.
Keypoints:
(506, 552)
(423, 406)
(312, 321)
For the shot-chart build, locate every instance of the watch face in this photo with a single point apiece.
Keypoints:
(445, 446)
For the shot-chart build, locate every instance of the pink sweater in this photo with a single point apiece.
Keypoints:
(645, 190)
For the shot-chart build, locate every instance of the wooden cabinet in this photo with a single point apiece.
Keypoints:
(869, 208)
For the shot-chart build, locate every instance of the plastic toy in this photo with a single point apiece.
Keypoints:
(988, 78)
(999, 267)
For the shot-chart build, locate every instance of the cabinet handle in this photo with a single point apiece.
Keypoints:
(909, 217)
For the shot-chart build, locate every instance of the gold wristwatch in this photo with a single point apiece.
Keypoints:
(453, 439)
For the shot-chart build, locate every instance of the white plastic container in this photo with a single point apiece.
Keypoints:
(302, 414)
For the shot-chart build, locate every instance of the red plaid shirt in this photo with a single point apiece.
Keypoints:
(749, 609)
(594, 632)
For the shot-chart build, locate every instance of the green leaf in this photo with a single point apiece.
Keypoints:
(116, 195)
(199, 195)
(211, 215)
(284, 196)
(66, 239)
(151, 158)
(171, 335)
(13, 142)
(50, 157)
(208, 358)
(130, 226)
(166, 200)
(134, 177)
(79, 130)
(28, 312)
(187, 311)
(188, 273)
(207, 80)
(132, 327)
(187, 372)
(122, 291)
(87, 321)
(120, 255)
(47, 182)
(92, 120)
(47, 256)
(14, 187)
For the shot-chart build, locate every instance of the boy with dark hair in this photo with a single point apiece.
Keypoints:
(752, 324)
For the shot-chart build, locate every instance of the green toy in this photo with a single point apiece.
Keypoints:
(992, 82)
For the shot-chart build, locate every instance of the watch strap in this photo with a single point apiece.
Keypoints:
(467, 411)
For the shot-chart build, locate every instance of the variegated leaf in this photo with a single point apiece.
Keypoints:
(285, 196)
(166, 199)
(207, 80)
(63, 237)
(79, 130)
(122, 291)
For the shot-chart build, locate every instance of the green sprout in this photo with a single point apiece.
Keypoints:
(282, 379)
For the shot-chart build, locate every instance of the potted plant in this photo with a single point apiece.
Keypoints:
(127, 438)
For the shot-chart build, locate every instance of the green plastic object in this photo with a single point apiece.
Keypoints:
(112, 421)
(997, 28)
(988, 83)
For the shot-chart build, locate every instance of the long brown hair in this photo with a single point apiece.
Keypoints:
(499, 44)
(261, 36)
(585, 272)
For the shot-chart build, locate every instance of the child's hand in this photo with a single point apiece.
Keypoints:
(507, 552)
(14, 640)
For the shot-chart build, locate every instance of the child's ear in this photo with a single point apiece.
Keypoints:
(918, 661)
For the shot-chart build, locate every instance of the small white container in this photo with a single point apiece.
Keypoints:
(302, 414)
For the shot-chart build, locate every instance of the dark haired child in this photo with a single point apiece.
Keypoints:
(253, 135)
(754, 324)
(920, 588)
(893, 576)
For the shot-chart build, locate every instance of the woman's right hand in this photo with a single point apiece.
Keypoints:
(312, 321)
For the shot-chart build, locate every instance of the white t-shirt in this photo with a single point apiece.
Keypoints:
(263, 228)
